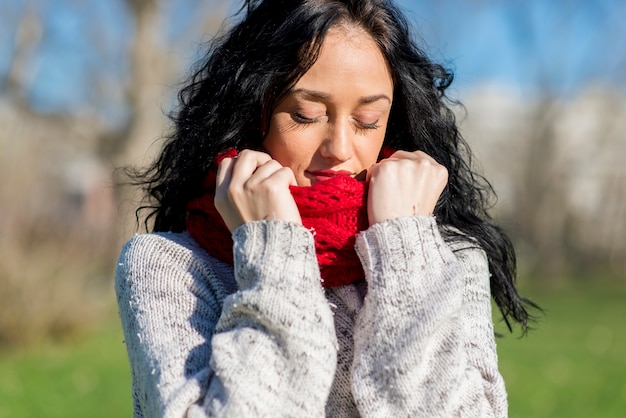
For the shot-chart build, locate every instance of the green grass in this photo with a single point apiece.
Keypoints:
(572, 365)
(87, 378)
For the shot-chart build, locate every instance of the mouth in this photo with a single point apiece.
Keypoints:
(322, 175)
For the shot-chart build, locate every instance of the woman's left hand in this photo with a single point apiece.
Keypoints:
(405, 184)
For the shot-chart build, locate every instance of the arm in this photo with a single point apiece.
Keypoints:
(273, 349)
(275, 339)
(424, 342)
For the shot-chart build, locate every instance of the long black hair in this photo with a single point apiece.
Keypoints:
(247, 70)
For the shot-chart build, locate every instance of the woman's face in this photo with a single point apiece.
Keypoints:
(333, 121)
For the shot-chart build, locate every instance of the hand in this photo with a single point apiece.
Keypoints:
(253, 187)
(405, 184)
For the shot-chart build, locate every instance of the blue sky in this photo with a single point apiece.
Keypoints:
(562, 43)
(534, 45)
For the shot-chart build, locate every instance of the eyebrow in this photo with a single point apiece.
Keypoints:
(312, 94)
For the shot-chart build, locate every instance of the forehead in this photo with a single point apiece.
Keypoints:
(349, 58)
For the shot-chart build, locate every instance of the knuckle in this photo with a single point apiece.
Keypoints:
(246, 188)
(232, 193)
(268, 188)
(274, 164)
(284, 171)
(442, 174)
(385, 167)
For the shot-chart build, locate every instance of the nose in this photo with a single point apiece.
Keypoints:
(339, 142)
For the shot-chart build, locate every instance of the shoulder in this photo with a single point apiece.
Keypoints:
(147, 253)
(167, 258)
(158, 244)
(466, 249)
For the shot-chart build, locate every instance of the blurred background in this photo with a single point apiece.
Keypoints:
(85, 87)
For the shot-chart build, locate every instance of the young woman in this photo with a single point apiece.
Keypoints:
(320, 246)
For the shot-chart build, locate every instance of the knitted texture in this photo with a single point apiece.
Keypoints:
(334, 210)
(262, 338)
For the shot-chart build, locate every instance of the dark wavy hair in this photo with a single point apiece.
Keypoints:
(250, 67)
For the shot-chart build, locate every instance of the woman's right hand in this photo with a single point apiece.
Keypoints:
(254, 187)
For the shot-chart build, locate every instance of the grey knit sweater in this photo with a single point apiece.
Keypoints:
(265, 339)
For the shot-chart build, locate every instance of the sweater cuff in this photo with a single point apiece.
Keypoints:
(274, 251)
(401, 246)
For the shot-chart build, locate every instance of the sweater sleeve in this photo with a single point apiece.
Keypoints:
(423, 341)
(196, 351)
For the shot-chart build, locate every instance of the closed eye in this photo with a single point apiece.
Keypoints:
(373, 125)
(300, 118)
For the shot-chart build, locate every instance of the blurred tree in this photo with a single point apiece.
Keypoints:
(563, 150)
(27, 37)
(59, 233)
(552, 166)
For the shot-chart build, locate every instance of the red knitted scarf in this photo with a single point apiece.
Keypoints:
(334, 210)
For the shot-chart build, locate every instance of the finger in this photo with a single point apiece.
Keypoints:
(386, 165)
(276, 171)
(271, 178)
(287, 175)
(401, 154)
(246, 164)
(370, 171)
(394, 157)
(262, 172)
(224, 172)
(222, 183)
(411, 155)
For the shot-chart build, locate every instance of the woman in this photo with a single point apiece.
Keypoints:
(320, 246)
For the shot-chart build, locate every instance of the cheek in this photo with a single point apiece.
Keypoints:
(286, 148)
(278, 141)
(274, 141)
(370, 152)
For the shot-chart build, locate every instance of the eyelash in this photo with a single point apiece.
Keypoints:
(301, 119)
(367, 126)
(359, 127)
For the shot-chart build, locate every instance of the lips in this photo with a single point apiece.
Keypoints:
(321, 175)
(330, 173)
